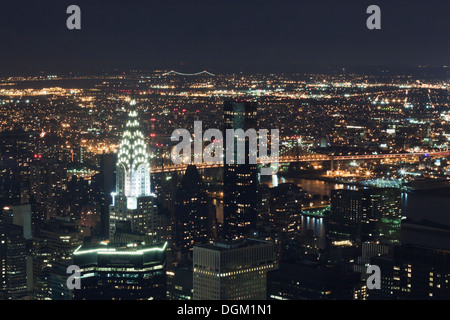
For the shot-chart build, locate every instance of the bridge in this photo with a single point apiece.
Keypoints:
(310, 158)
(188, 74)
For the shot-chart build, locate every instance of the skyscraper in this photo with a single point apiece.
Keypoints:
(240, 180)
(413, 272)
(133, 209)
(52, 250)
(285, 212)
(191, 212)
(233, 270)
(307, 280)
(365, 215)
(13, 271)
(133, 271)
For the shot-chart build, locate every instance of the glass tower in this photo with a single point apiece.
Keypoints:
(240, 180)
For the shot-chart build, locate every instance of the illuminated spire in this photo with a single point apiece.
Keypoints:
(133, 165)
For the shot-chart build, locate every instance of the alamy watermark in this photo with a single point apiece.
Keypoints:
(73, 22)
(74, 280)
(374, 280)
(236, 151)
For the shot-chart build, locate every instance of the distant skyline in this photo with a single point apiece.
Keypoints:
(221, 36)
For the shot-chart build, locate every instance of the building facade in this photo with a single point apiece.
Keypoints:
(133, 271)
(365, 215)
(240, 180)
(232, 270)
(133, 208)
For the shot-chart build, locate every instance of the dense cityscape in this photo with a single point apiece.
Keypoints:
(217, 159)
(363, 179)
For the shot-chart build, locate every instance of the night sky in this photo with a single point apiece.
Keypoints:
(220, 35)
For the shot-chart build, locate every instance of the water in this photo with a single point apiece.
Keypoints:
(316, 225)
(311, 186)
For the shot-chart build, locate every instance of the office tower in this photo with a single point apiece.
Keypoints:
(53, 248)
(191, 213)
(17, 153)
(166, 187)
(57, 283)
(233, 270)
(84, 200)
(48, 178)
(112, 271)
(364, 215)
(369, 250)
(180, 283)
(107, 183)
(13, 265)
(262, 207)
(133, 208)
(240, 180)
(419, 269)
(285, 212)
(413, 272)
(310, 281)
(19, 215)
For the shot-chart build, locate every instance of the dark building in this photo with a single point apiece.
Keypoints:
(285, 207)
(133, 271)
(18, 151)
(413, 273)
(364, 215)
(13, 265)
(310, 281)
(180, 283)
(240, 180)
(191, 212)
(166, 188)
(48, 178)
(419, 269)
(57, 283)
(107, 182)
(53, 248)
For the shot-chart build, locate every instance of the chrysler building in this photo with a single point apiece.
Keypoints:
(133, 209)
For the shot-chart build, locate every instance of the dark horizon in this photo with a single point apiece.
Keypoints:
(262, 36)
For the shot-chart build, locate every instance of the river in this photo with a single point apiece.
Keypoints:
(417, 205)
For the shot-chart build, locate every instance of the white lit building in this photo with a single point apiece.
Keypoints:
(233, 270)
(133, 208)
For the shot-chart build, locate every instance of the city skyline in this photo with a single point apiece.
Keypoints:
(240, 151)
